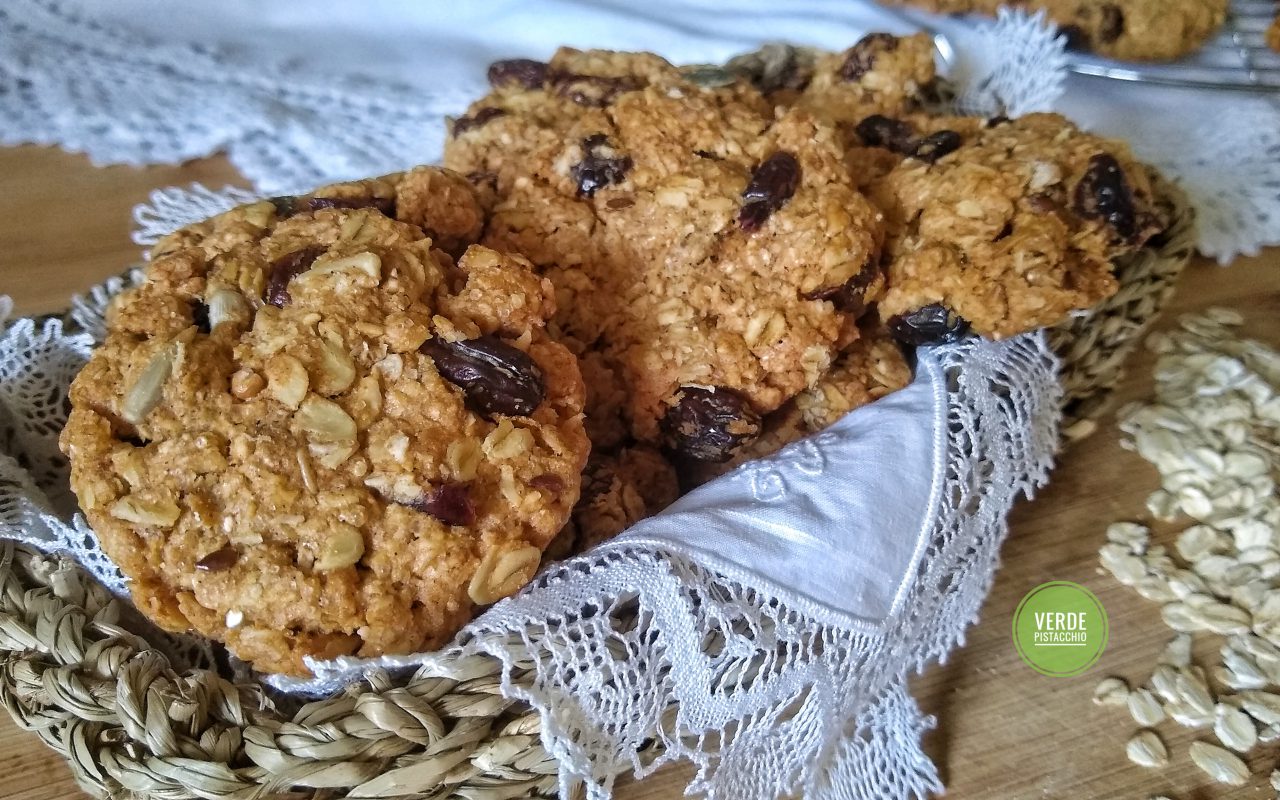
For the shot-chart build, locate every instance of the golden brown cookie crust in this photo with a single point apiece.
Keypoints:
(626, 184)
(292, 474)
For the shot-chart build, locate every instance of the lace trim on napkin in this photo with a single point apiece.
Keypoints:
(630, 644)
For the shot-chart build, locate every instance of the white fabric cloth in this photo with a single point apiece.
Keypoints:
(764, 627)
(299, 93)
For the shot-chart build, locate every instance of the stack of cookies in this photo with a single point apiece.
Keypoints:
(739, 253)
(336, 424)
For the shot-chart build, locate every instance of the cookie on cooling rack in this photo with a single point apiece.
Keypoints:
(312, 432)
(707, 252)
(1145, 30)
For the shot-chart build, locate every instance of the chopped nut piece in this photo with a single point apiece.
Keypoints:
(337, 370)
(133, 508)
(330, 431)
(502, 573)
(343, 547)
(228, 305)
(246, 384)
(287, 379)
(148, 388)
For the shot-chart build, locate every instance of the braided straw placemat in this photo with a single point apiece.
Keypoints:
(74, 670)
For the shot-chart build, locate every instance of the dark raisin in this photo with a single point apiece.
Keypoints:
(450, 503)
(709, 424)
(849, 296)
(220, 560)
(932, 324)
(548, 482)
(936, 145)
(1103, 193)
(707, 154)
(1111, 25)
(284, 205)
(771, 186)
(521, 71)
(495, 377)
(463, 124)
(200, 316)
(599, 167)
(385, 205)
(1077, 38)
(861, 58)
(878, 130)
(593, 91)
(284, 269)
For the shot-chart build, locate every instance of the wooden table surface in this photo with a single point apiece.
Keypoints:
(1003, 730)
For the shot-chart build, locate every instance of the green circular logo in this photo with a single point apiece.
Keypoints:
(1060, 629)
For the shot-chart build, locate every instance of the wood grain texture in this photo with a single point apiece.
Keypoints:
(1003, 731)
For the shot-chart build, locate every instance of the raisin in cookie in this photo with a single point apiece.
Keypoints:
(709, 252)
(1005, 226)
(870, 368)
(1148, 30)
(311, 432)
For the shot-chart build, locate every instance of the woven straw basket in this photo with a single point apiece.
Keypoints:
(74, 672)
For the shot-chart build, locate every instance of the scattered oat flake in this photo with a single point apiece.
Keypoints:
(1211, 430)
(1111, 692)
(1146, 750)
(1144, 708)
(1221, 765)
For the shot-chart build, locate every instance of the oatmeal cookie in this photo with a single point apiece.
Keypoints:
(1004, 226)
(709, 251)
(872, 367)
(1144, 30)
(619, 490)
(311, 432)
